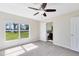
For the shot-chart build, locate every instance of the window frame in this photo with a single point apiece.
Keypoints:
(19, 37)
(28, 31)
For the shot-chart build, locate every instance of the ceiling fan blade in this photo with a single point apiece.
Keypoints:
(33, 8)
(36, 13)
(43, 5)
(50, 10)
(44, 14)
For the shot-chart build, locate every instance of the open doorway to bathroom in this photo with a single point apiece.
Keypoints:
(49, 31)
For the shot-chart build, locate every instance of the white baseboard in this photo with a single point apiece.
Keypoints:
(61, 45)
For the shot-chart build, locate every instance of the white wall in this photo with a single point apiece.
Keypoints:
(61, 29)
(34, 29)
(43, 31)
(49, 25)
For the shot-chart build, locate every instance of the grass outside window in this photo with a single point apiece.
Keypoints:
(14, 31)
(12, 35)
(24, 34)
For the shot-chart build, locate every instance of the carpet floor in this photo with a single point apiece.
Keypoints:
(49, 49)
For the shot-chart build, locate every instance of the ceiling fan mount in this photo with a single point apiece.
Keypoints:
(42, 8)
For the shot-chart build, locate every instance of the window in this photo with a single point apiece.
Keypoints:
(24, 31)
(14, 31)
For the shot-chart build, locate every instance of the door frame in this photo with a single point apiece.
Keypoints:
(46, 29)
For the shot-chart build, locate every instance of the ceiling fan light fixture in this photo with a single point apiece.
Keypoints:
(42, 9)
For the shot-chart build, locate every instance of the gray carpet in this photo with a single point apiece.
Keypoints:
(48, 49)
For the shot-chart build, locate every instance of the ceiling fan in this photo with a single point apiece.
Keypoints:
(42, 8)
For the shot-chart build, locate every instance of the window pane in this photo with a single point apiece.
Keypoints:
(24, 27)
(24, 31)
(24, 34)
(12, 31)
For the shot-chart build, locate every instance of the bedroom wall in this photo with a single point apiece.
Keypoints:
(49, 25)
(61, 29)
(43, 31)
(34, 29)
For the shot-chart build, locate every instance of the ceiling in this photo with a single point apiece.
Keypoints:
(21, 9)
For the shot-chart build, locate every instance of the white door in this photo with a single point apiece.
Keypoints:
(75, 34)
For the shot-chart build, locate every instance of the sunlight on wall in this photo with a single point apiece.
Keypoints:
(20, 49)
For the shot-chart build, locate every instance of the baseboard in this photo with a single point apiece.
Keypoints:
(18, 45)
(65, 47)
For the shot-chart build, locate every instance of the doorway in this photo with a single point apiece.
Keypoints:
(49, 31)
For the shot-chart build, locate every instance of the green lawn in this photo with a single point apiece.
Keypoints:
(15, 35)
(12, 35)
(24, 34)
